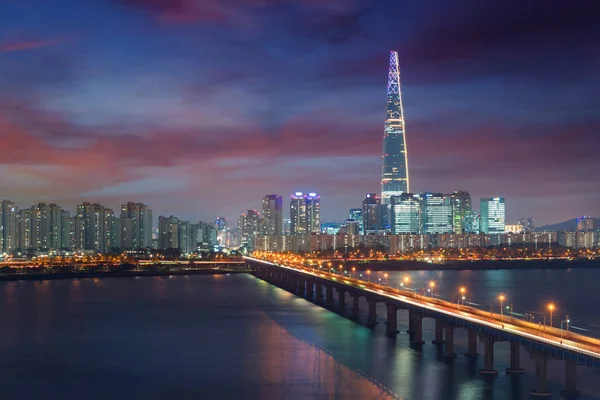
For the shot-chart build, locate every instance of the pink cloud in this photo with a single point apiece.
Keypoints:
(29, 45)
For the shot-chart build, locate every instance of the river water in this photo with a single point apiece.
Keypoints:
(235, 336)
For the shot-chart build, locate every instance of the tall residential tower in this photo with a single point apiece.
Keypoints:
(394, 174)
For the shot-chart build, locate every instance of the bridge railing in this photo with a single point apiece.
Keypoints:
(544, 333)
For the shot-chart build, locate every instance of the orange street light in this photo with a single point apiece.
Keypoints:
(551, 308)
(386, 278)
(369, 275)
(432, 287)
(463, 290)
(501, 298)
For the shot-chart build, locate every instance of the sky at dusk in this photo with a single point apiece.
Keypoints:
(201, 107)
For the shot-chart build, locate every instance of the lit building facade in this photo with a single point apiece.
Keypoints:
(394, 176)
(357, 215)
(8, 227)
(370, 213)
(406, 213)
(272, 223)
(436, 209)
(313, 213)
(461, 205)
(493, 215)
(298, 214)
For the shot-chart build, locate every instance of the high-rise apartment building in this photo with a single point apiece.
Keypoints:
(406, 213)
(313, 213)
(371, 213)
(394, 176)
(461, 205)
(298, 214)
(40, 226)
(272, 209)
(585, 224)
(493, 215)
(136, 226)
(168, 232)
(436, 213)
(24, 229)
(8, 227)
(248, 225)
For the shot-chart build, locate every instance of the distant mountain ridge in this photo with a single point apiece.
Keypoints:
(570, 225)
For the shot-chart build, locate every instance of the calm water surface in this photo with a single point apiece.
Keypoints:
(232, 337)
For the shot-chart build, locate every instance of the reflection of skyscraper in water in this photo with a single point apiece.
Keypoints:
(394, 175)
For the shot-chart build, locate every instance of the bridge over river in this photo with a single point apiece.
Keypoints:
(541, 342)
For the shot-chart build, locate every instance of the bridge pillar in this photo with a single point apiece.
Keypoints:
(341, 299)
(392, 322)
(309, 289)
(515, 359)
(355, 308)
(570, 390)
(541, 389)
(415, 323)
(319, 290)
(472, 346)
(488, 354)
(439, 332)
(300, 286)
(329, 295)
(372, 317)
(449, 348)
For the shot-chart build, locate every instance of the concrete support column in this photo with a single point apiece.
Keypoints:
(439, 332)
(541, 385)
(319, 290)
(329, 295)
(372, 318)
(449, 348)
(515, 359)
(472, 345)
(415, 322)
(392, 328)
(570, 380)
(488, 354)
(355, 307)
(309, 289)
(342, 299)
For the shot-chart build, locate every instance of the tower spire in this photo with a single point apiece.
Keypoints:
(394, 174)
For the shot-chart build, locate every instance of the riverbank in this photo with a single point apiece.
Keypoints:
(476, 265)
(117, 274)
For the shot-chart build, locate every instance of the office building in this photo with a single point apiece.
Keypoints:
(493, 215)
(436, 209)
(356, 215)
(406, 213)
(461, 205)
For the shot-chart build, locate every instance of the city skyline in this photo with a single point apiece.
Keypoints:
(88, 114)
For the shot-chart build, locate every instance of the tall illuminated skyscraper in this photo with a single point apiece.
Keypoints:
(493, 215)
(394, 174)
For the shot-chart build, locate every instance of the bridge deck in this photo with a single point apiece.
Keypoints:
(554, 337)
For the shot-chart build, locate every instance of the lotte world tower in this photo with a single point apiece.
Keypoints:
(394, 174)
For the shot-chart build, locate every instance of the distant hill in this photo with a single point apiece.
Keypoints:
(570, 225)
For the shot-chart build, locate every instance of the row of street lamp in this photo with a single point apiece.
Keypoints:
(431, 289)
